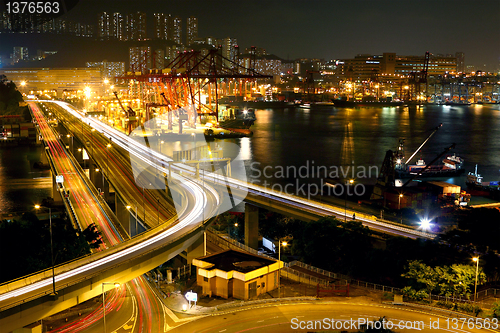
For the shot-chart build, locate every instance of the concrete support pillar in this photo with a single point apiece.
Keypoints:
(196, 250)
(56, 194)
(251, 226)
(123, 214)
(78, 153)
(96, 176)
(105, 189)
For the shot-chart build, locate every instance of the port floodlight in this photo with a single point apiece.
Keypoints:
(23, 83)
(351, 181)
(37, 206)
(475, 259)
(284, 244)
(128, 206)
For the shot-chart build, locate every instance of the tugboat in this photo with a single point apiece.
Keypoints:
(476, 186)
(232, 119)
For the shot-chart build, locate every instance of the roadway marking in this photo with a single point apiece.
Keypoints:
(223, 330)
(132, 318)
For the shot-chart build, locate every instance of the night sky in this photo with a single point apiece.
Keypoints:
(332, 29)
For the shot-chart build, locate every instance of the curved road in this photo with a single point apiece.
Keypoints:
(318, 317)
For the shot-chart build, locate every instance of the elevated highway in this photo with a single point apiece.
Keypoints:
(233, 190)
(28, 299)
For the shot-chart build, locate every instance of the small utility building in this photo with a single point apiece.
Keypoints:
(236, 274)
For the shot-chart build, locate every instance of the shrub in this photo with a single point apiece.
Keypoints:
(388, 296)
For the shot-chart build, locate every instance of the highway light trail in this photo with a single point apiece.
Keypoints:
(189, 215)
(155, 159)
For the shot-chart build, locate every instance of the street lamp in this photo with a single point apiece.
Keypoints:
(161, 143)
(351, 181)
(128, 207)
(108, 146)
(280, 243)
(476, 259)
(104, 301)
(194, 145)
(399, 207)
(51, 249)
(23, 84)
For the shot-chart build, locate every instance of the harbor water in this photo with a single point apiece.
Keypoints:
(293, 148)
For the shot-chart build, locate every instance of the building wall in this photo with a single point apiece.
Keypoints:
(239, 289)
(366, 66)
(221, 287)
(265, 283)
(40, 79)
(218, 286)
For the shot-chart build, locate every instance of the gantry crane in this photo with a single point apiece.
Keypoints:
(131, 116)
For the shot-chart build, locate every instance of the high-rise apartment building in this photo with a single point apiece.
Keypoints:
(171, 52)
(229, 51)
(175, 29)
(117, 31)
(158, 59)
(460, 62)
(139, 58)
(104, 26)
(160, 26)
(19, 53)
(109, 69)
(191, 30)
(135, 26)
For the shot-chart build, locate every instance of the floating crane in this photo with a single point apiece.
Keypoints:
(395, 161)
(400, 164)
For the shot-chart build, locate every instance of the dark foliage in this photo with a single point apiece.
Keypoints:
(9, 97)
(25, 245)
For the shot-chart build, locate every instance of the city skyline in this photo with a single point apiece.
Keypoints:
(334, 29)
(372, 30)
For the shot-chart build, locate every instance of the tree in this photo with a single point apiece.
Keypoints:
(455, 280)
(422, 274)
(495, 310)
(9, 97)
(332, 245)
(26, 245)
(471, 224)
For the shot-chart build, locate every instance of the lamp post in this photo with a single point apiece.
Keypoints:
(102, 180)
(161, 143)
(158, 209)
(194, 145)
(351, 181)
(476, 259)
(104, 301)
(23, 84)
(399, 207)
(51, 249)
(279, 265)
(128, 207)
(108, 146)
